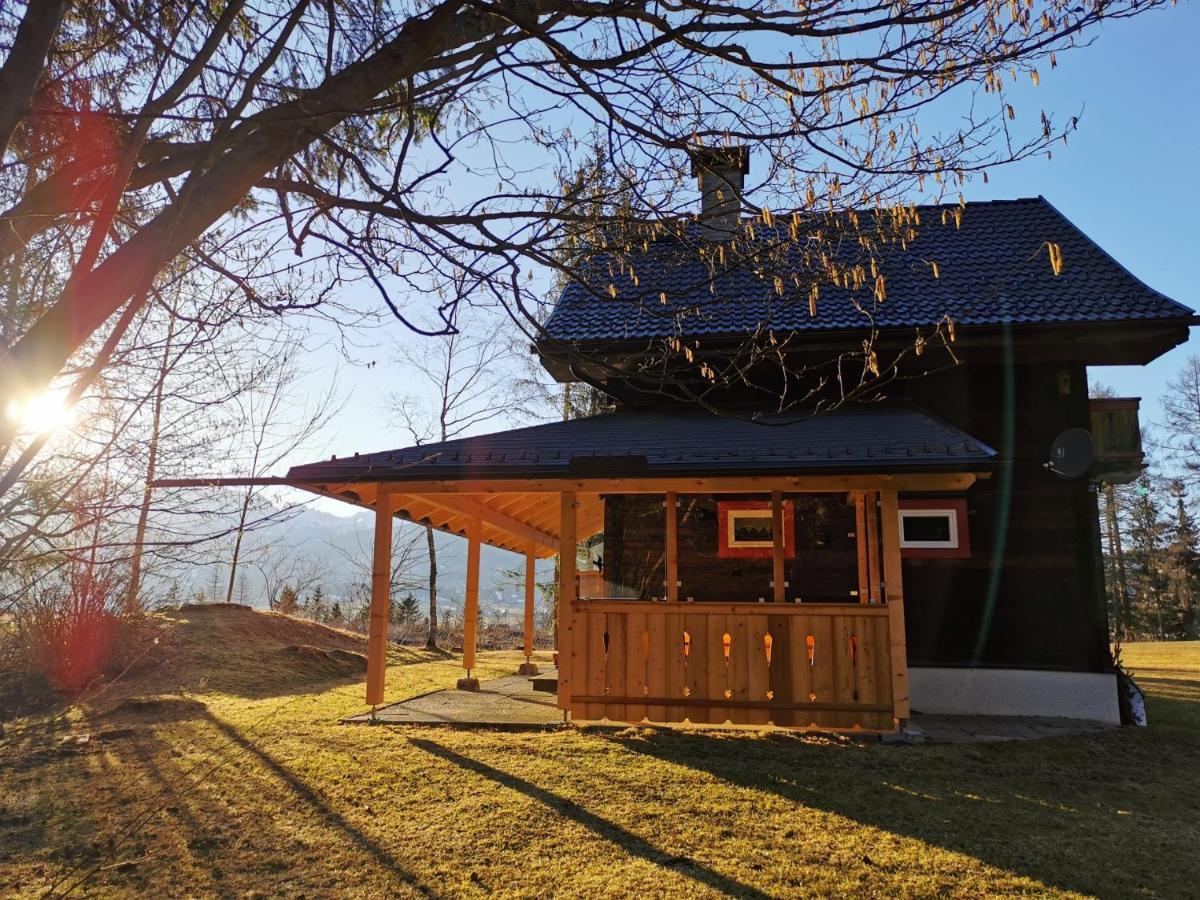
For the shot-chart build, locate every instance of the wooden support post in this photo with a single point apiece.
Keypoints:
(671, 506)
(874, 576)
(528, 667)
(471, 607)
(894, 582)
(566, 597)
(530, 588)
(860, 533)
(777, 546)
(381, 586)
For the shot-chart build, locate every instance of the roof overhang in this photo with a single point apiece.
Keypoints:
(1108, 343)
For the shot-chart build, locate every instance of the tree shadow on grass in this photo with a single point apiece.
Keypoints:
(610, 831)
(192, 796)
(323, 810)
(1103, 815)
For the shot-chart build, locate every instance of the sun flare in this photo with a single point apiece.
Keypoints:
(44, 412)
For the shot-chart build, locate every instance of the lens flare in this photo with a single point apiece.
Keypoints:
(40, 413)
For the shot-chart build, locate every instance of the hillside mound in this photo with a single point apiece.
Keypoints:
(228, 648)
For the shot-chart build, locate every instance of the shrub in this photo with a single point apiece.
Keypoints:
(69, 630)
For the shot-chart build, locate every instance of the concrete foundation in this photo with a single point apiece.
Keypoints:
(527, 668)
(1015, 692)
(468, 684)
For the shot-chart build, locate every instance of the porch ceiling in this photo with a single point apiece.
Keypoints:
(519, 521)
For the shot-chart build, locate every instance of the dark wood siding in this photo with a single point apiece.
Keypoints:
(1031, 594)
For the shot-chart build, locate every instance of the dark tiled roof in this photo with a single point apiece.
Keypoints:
(882, 437)
(993, 270)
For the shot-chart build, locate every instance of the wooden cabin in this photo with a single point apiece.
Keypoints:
(910, 550)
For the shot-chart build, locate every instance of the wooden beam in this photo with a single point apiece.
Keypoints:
(671, 507)
(471, 606)
(777, 577)
(874, 576)
(860, 535)
(566, 597)
(530, 589)
(726, 609)
(381, 586)
(952, 481)
(493, 517)
(894, 581)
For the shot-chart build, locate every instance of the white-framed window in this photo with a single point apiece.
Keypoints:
(929, 529)
(933, 528)
(750, 528)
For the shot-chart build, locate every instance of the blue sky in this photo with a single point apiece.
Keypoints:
(1128, 178)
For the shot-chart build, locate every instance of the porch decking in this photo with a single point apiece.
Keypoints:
(508, 702)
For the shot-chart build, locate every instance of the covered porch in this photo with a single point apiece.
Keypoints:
(646, 653)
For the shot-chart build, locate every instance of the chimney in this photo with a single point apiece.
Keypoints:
(721, 173)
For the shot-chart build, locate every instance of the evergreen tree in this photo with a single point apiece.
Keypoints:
(316, 608)
(406, 611)
(1146, 557)
(1183, 568)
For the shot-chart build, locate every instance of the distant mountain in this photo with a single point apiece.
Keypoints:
(339, 548)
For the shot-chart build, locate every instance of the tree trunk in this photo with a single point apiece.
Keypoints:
(135, 565)
(431, 638)
(237, 542)
(26, 62)
(1114, 544)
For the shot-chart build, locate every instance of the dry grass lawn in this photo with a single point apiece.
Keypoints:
(222, 771)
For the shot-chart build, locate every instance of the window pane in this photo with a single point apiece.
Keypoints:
(927, 529)
(752, 528)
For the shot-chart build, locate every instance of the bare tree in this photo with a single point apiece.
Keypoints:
(403, 578)
(1180, 432)
(282, 572)
(464, 376)
(295, 148)
(274, 424)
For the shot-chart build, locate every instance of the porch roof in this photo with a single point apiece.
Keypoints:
(880, 438)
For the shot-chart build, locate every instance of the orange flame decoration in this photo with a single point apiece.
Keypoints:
(767, 642)
(726, 641)
(853, 648)
(687, 651)
(811, 643)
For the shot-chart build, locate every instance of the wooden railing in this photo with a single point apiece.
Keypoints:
(794, 665)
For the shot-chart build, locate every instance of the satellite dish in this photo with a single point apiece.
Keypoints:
(1072, 453)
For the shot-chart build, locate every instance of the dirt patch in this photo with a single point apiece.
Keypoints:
(356, 662)
(336, 659)
(160, 708)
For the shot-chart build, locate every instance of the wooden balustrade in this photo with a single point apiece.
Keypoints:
(795, 665)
